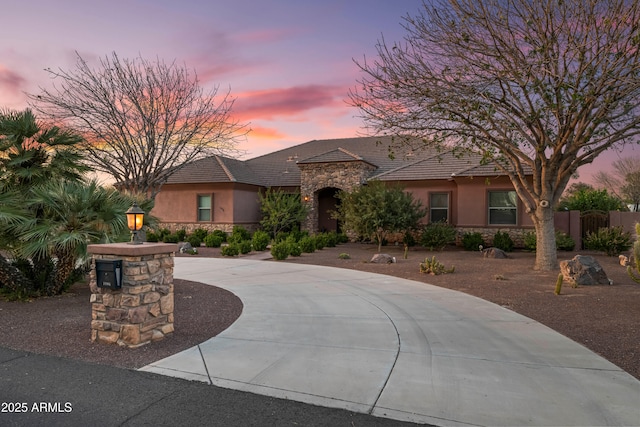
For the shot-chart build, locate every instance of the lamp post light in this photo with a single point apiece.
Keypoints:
(135, 219)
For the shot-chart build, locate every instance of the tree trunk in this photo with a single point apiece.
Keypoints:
(546, 252)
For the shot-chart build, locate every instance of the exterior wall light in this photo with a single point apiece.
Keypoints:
(135, 219)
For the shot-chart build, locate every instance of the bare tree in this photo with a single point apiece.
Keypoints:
(142, 120)
(537, 85)
(624, 180)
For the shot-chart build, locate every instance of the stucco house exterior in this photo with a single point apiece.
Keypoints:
(219, 192)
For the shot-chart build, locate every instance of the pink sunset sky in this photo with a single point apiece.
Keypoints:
(289, 63)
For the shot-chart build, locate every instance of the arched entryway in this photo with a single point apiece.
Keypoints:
(327, 203)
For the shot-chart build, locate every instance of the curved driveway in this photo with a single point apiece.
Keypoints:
(397, 348)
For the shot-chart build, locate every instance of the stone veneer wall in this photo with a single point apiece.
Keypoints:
(517, 234)
(317, 176)
(190, 226)
(142, 310)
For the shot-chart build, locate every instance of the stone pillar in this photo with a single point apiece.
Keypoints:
(142, 310)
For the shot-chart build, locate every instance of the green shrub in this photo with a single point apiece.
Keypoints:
(503, 241)
(213, 241)
(332, 239)
(530, 241)
(343, 238)
(260, 240)
(344, 255)
(281, 236)
(171, 238)
(158, 235)
(294, 248)
(472, 241)
(280, 250)
(244, 246)
(321, 241)
(564, 242)
(241, 233)
(308, 244)
(437, 235)
(182, 234)
(152, 237)
(221, 234)
(201, 233)
(612, 240)
(231, 249)
(195, 241)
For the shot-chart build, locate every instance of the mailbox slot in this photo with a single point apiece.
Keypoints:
(109, 273)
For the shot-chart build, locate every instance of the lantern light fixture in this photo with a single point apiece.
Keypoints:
(135, 219)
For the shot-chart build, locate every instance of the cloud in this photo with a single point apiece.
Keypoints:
(10, 81)
(268, 104)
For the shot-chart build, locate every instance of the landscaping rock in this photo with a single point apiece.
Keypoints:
(184, 247)
(584, 270)
(494, 253)
(382, 259)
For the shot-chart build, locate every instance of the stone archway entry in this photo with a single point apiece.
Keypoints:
(327, 203)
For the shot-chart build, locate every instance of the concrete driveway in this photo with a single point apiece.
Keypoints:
(398, 349)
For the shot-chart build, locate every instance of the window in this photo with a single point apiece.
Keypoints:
(204, 207)
(503, 208)
(439, 207)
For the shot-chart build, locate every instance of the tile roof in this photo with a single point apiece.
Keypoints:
(215, 169)
(280, 168)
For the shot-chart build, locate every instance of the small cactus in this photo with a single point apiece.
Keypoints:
(434, 267)
(559, 281)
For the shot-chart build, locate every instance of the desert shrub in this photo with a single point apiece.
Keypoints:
(298, 234)
(157, 235)
(530, 240)
(343, 238)
(564, 242)
(472, 241)
(611, 240)
(321, 241)
(241, 233)
(231, 249)
(195, 241)
(260, 240)
(308, 244)
(171, 238)
(294, 247)
(344, 255)
(213, 241)
(182, 234)
(437, 235)
(281, 236)
(332, 239)
(201, 233)
(280, 250)
(221, 234)
(244, 246)
(434, 267)
(503, 241)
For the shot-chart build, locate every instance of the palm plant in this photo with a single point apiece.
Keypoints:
(74, 214)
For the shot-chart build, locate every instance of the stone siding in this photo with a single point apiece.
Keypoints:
(141, 311)
(517, 234)
(317, 176)
(189, 227)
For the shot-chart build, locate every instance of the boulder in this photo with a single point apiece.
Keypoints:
(494, 253)
(584, 270)
(382, 259)
(184, 247)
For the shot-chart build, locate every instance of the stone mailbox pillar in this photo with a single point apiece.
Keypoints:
(141, 311)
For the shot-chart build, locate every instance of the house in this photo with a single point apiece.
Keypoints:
(219, 192)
